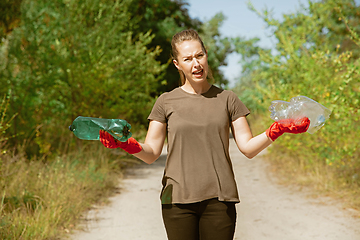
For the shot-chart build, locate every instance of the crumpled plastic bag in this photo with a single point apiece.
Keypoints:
(299, 107)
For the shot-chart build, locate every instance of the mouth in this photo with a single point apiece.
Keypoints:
(198, 73)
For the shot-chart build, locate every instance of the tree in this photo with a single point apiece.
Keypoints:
(100, 58)
(9, 16)
(218, 47)
(70, 58)
(251, 65)
(313, 59)
(163, 18)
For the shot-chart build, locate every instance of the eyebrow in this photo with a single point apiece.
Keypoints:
(196, 54)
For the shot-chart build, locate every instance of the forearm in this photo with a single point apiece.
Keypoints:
(154, 142)
(250, 146)
(147, 154)
(148, 151)
(255, 145)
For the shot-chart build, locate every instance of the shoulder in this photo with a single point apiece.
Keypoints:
(174, 92)
(164, 95)
(168, 97)
(224, 93)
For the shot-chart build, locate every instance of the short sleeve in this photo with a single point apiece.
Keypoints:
(236, 107)
(158, 111)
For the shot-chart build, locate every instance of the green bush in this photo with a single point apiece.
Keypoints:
(316, 56)
(71, 58)
(309, 64)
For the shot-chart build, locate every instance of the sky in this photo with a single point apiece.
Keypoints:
(241, 21)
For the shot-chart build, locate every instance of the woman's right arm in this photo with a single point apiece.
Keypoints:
(154, 141)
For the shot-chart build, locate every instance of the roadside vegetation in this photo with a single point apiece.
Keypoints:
(317, 55)
(61, 59)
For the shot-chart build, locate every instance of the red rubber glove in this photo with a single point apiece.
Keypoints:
(131, 145)
(280, 127)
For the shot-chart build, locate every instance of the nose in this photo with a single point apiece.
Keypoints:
(196, 63)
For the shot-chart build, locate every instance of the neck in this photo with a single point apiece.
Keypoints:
(196, 88)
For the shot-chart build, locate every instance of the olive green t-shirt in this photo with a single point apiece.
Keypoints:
(198, 165)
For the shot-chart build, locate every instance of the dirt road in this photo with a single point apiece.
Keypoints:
(267, 210)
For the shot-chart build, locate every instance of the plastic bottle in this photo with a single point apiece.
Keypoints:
(87, 128)
(299, 107)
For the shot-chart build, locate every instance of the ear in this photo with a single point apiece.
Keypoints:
(176, 64)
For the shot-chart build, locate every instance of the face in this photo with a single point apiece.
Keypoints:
(192, 61)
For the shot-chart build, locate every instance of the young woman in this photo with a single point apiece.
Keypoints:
(199, 189)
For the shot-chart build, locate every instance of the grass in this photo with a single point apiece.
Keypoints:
(46, 200)
(45, 197)
(319, 178)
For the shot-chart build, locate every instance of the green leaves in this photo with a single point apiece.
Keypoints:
(78, 58)
(316, 56)
(97, 58)
(218, 47)
(163, 18)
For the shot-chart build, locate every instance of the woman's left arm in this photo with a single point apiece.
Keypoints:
(250, 146)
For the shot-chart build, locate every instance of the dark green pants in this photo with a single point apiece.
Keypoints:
(206, 220)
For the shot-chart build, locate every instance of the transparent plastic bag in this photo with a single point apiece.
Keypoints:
(299, 107)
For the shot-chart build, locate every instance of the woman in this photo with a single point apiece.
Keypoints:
(199, 190)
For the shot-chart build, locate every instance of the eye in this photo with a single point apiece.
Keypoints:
(200, 55)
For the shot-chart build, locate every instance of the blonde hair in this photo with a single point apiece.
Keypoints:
(186, 35)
